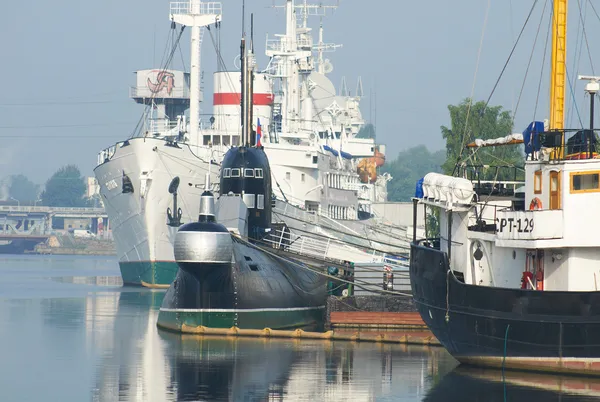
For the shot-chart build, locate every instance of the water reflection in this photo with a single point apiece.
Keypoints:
(132, 365)
(244, 369)
(69, 332)
(494, 385)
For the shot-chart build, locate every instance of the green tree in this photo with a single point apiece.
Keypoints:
(22, 189)
(408, 167)
(366, 131)
(484, 123)
(65, 188)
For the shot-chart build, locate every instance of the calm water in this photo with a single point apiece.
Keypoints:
(69, 331)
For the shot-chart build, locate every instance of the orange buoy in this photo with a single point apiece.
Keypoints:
(535, 204)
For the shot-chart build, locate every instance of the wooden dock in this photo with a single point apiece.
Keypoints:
(376, 319)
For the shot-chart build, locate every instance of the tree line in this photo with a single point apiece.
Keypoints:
(65, 188)
(468, 121)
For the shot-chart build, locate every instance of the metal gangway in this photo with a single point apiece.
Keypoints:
(331, 249)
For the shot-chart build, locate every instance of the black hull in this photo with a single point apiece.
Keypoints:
(514, 328)
(255, 291)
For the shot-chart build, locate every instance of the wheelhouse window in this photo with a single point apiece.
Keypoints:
(260, 201)
(258, 173)
(537, 182)
(249, 200)
(227, 172)
(235, 172)
(585, 182)
(249, 172)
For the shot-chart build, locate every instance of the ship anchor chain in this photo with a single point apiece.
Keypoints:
(174, 216)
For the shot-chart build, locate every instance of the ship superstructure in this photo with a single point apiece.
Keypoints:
(322, 174)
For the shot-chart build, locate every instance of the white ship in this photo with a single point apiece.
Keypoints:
(325, 179)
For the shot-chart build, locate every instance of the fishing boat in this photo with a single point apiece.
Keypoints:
(512, 281)
(326, 179)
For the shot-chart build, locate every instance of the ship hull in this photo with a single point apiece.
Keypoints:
(138, 219)
(255, 291)
(500, 327)
(151, 274)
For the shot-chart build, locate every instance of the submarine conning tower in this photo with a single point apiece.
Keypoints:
(245, 172)
(206, 241)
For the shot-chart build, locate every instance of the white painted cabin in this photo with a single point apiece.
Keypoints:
(555, 237)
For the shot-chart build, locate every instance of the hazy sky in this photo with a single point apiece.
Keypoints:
(67, 66)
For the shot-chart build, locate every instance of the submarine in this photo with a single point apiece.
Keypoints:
(229, 275)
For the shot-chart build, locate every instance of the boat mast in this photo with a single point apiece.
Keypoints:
(558, 67)
(195, 14)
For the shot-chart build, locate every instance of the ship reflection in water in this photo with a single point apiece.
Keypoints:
(470, 384)
(149, 364)
(70, 331)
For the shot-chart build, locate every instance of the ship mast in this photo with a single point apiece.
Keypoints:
(195, 14)
(558, 66)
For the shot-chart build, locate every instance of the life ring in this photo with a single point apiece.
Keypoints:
(535, 204)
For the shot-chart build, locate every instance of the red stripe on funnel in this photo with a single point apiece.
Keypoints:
(234, 99)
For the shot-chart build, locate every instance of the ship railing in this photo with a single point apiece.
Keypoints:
(497, 187)
(279, 45)
(568, 144)
(374, 277)
(45, 209)
(144, 92)
(160, 126)
(195, 7)
(330, 249)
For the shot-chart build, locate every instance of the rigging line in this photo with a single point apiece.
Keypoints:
(594, 9)
(528, 65)
(64, 126)
(537, 98)
(181, 162)
(587, 45)
(182, 59)
(395, 246)
(314, 270)
(574, 100)
(576, 59)
(511, 53)
(220, 59)
(464, 135)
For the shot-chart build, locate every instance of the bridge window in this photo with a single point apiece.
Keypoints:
(537, 182)
(258, 173)
(585, 182)
(260, 201)
(249, 172)
(235, 172)
(227, 172)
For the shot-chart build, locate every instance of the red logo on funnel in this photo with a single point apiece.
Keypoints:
(164, 80)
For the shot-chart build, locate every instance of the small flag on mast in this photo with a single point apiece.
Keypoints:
(258, 134)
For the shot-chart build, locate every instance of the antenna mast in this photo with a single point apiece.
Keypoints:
(558, 66)
(197, 15)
